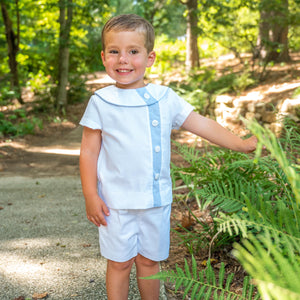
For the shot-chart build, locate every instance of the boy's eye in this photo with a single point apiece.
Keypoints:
(113, 51)
(133, 52)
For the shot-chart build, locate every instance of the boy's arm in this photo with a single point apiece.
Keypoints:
(96, 209)
(217, 134)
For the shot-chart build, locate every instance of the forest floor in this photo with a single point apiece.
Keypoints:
(54, 151)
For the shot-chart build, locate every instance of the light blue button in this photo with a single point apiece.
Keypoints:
(146, 96)
(157, 148)
(156, 177)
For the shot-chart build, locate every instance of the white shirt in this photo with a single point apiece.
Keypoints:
(133, 167)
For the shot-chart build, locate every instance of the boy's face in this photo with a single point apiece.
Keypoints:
(125, 58)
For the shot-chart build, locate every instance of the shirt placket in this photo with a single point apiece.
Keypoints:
(155, 129)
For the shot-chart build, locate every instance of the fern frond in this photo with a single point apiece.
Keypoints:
(276, 273)
(243, 225)
(267, 138)
(205, 284)
(230, 196)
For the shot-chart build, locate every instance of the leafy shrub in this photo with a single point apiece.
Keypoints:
(18, 124)
(7, 94)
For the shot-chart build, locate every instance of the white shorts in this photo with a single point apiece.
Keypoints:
(136, 231)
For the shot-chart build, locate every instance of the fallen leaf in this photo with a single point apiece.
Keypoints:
(86, 245)
(20, 298)
(186, 221)
(36, 296)
(1, 207)
(212, 262)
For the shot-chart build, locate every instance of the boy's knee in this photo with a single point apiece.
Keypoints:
(141, 260)
(121, 266)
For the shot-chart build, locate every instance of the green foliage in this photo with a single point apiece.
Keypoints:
(18, 124)
(170, 54)
(206, 284)
(39, 36)
(230, 24)
(6, 94)
(214, 170)
(256, 202)
(296, 93)
(201, 88)
(224, 26)
(272, 256)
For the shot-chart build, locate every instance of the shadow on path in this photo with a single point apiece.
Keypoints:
(46, 243)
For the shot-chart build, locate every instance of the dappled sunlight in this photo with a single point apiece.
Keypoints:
(279, 88)
(261, 94)
(264, 93)
(21, 244)
(73, 152)
(56, 149)
(267, 103)
(254, 96)
(43, 264)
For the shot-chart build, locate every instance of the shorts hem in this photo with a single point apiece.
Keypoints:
(118, 259)
(154, 258)
(132, 256)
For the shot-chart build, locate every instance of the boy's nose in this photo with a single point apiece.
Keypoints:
(123, 58)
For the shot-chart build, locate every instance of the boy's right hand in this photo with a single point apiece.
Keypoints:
(96, 210)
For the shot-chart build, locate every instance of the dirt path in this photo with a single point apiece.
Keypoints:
(47, 246)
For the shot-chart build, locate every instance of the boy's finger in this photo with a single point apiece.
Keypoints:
(101, 220)
(106, 210)
(92, 220)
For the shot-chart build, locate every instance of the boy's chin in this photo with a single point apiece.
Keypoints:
(131, 85)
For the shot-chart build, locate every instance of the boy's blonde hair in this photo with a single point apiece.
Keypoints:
(130, 22)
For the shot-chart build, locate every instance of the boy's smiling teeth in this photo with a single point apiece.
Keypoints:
(123, 71)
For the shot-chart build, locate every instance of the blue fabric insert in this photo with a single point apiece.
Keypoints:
(154, 115)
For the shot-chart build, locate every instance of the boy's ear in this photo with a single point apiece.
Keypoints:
(151, 59)
(103, 57)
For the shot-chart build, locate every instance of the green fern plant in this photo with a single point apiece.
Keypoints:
(273, 256)
(206, 284)
(256, 200)
(214, 165)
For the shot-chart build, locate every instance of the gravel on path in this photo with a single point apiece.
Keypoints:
(46, 243)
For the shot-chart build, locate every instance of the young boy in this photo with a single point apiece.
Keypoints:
(125, 157)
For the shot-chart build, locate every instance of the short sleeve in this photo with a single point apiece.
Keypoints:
(92, 117)
(180, 109)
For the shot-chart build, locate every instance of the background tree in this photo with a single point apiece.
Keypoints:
(13, 42)
(192, 52)
(272, 42)
(65, 21)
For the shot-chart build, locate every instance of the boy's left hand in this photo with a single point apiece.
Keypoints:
(249, 145)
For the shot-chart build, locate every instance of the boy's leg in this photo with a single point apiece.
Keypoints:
(117, 279)
(149, 289)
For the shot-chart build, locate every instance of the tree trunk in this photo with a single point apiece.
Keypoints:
(13, 48)
(192, 52)
(63, 61)
(272, 43)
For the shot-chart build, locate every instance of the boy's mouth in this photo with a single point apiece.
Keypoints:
(124, 70)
